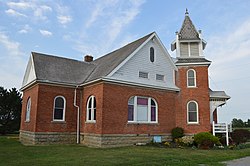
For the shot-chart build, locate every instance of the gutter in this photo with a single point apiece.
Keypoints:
(78, 118)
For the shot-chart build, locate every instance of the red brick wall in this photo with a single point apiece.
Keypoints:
(45, 122)
(115, 110)
(97, 91)
(33, 94)
(42, 103)
(200, 94)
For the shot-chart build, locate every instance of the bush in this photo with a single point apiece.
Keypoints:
(206, 140)
(177, 132)
(240, 136)
(187, 140)
(223, 140)
(184, 141)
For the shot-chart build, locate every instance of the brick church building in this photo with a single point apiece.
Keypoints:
(125, 97)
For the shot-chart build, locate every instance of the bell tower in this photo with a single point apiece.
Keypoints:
(193, 109)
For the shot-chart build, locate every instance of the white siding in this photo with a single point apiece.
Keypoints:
(184, 50)
(194, 49)
(141, 62)
(29, 73)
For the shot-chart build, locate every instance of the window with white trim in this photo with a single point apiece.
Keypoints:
(91, 109)
(159, 77)
(142, 110)
(192, 112)
(191, 78)
(28, 107)
(59, 108)
(143, 74)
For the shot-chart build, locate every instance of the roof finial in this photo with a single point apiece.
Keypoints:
(186, 12)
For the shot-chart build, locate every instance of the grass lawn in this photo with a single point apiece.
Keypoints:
(12, 152)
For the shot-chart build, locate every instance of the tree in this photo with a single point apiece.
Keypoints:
(10, 110)
(238, 123)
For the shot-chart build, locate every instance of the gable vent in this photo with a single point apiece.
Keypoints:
(143, 74)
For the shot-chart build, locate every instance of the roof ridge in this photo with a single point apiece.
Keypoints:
(56, 56)
(146, 36)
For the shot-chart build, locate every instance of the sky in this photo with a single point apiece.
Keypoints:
(73, 29)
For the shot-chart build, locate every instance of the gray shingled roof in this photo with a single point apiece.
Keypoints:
(62, 70)
(218, 94)
(192, 60)
(188, 30)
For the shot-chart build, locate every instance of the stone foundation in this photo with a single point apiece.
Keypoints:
(118, 140)
(33, 138)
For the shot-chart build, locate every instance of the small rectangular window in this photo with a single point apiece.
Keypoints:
(143, 74)
(159, 77)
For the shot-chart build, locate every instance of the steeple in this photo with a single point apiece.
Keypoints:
(188, 30)
(188, 42)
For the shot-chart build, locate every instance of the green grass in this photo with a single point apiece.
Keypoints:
(13, 152)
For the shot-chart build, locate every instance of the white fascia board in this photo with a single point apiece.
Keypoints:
(130, 56)
(108, 79)
(90, 82)
(165, 50)
(48, 82)
(28, 85)
(187, 64)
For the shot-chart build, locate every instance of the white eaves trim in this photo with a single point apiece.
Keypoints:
(198, 63)
(139, 84)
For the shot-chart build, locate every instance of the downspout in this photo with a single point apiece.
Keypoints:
(78, 118)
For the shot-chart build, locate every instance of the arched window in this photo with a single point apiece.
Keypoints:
(152, 54)
(142, 110)
(91, 109)
(28, 107)
(192, 112)
(59, 108)
(191, 78)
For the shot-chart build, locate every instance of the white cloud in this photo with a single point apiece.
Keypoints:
(45, 33)
(20, 5)
(108, 19)
(12, 47)
(232, 45)
(13, 62)
(41, 11)
(12, 12)
(63, 16)
(64, 19)
(26, 28)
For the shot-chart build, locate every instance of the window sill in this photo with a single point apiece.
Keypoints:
(192, 87)
(27, 121)
(90, 122)
(193, 124)
(55, 121)
(143, 123)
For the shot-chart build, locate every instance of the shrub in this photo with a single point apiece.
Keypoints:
(177, 132)
(206, 140)
(223, 140)
(240, 136)
(187, 140)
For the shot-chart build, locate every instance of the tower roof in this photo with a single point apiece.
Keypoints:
(188, 30)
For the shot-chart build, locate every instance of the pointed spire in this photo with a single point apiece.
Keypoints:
(186, 13)
(188, 30)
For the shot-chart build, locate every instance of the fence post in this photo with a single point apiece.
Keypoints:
(227, 139)
(213, 129)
